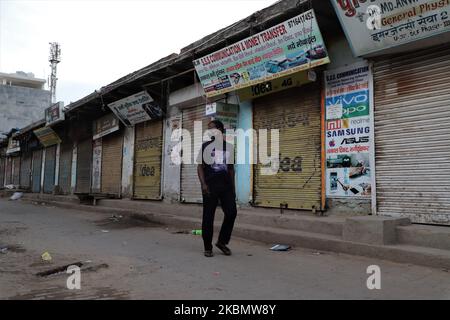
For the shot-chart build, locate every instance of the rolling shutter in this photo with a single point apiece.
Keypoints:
(16, 171)
(191, 191)
(2, 171)
(147, 166)
(49, 169)
(298, 184)
(84, 161)
(25, 170)
(37, 170)
(8, 171)
(412, 135)
(65, 167)
(111, 182)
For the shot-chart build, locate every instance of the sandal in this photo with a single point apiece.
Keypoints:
(226, 251)
(209, 254)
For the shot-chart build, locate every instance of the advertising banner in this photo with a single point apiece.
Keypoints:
(136, 109)
(55, 113)
(105, 125)
(348, 131)
(376, 25)
(47, 136)
(97, 165)
(292, 46)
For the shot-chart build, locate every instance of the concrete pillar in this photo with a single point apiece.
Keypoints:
(244, 154)
(128, 162)
(73, 180)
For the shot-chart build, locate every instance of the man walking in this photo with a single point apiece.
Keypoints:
(216, 174)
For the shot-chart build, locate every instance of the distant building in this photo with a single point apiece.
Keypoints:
(23, 100)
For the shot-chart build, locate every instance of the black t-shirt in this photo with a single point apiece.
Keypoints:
(217, 163)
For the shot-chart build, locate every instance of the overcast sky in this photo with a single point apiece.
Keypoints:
(104, 40)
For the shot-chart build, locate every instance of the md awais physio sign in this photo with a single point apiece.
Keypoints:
(375, 25)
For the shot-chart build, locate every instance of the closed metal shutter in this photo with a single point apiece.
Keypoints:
(65, 167)
(2, 171)
(112, 164)
(298, 183)
(8, 171)
(37, 170)
(412, 135)
(191, 191)
(84, 161)
(49, 169)
(25, 170)
(147, 166)
(16, 171)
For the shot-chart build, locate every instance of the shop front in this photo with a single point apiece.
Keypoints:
(141, 113)
(50, 140)
(2, 166)
(278, 71)
(36, 170)
(191, 191)
(411, 69)
(297, 183)
(148, 160)
(107, 156)
(25, 170)
(412, 135)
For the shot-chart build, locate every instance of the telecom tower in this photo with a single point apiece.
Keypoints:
(54, 59)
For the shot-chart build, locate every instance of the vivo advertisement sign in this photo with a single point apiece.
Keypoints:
(354, 104)
(375, 25)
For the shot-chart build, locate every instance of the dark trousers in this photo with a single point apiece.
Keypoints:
(210, 202)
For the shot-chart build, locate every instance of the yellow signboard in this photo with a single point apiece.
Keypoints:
(47, 136)
(275, 85)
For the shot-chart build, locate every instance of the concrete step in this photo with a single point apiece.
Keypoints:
(424, 236)
(50, 197)
(431, 257)
(257, 217)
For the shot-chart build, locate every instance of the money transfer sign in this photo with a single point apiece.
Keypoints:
(376, 25)
(348, 131)
(292, 46)
(136, 109)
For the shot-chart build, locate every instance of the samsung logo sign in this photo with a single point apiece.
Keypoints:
(348, 132)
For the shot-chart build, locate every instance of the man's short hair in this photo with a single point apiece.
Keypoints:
(219, 125)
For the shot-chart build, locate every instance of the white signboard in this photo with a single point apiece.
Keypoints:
(287, 48)
(375, 25)
(97, 165)
(348, 131)
(136, 109)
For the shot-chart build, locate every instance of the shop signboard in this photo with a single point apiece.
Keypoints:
(54, 114)
(136, 109)
(47, 136)
(276, 85)
(349, 142)
(227, 114)
(376, 25)
(287, 48)
(97, 165)
(105, 125)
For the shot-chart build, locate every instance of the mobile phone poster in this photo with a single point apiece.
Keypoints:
(348, 131)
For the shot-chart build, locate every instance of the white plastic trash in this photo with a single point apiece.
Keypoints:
(16, 196)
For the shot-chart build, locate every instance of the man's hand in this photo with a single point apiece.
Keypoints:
(205, 189)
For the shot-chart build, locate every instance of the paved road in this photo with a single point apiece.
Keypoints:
(135, 260)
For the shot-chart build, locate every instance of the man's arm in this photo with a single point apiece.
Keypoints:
(232, 175)
(201, 176)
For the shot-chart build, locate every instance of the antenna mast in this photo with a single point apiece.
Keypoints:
(54, 59)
